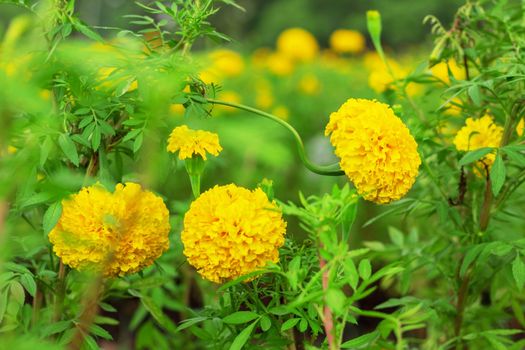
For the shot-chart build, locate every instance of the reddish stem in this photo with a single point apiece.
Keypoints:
(328, 320)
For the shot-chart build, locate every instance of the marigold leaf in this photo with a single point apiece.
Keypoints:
(497, 174)
(243, 337)
(240, 317)
(68, 147)
(51, 216)
(474, 155)
(518, 271)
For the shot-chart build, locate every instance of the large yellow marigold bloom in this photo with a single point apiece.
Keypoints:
(298, 44)
(377, 151)
(230, 231)
(114, 233)
(347, 41)
(479, 133)
(190, 142)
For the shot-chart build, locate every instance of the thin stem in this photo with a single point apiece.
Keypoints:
(321, 170)
(328, 319)
(460, 309)
(60, 292)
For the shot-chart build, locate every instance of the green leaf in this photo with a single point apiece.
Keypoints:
(157, 313)
(475, 94)
(474, 155)
(266, 323)
(95, 139)
(361, 341)
(243, 337)
(335, 299)
(470, 256)
(351, 273)
(55, 328)
(497, 174)
(138, 143)
(29, 283)
(365, 269)
(518, 271)
(69, 148)
(100, 332)
(84, 29)
(240, 317)
(396, 237)
(289, 324)
(51, 217)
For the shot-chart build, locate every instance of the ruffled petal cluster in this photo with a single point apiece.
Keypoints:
(479, 133)
(377, 151)
(190, 142)
(230, 231)
(113, 233)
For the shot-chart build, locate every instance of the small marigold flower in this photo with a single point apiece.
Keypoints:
(114, 233)
(347, 41)
(377, 151)
(227, 63)
(230, 231)
(279, 64)
(479, 133)
(190, 142)
(309, 84)
(298, 44)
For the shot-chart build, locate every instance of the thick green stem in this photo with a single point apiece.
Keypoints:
(321, 170)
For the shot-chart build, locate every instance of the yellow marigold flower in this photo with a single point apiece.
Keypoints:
(114, 233)
(298, 44)
(11, 149)
(260, 56)
(279, 64)
(479, 133)
(440, 71)
(520, 127)
(177, 109)
(347, 41)
(309, 84)
(227, 63)
(230, 231)
(190, 142)
(377, 151)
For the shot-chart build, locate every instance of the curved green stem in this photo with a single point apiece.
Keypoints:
(318, 169)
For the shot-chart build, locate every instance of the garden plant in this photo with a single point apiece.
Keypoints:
(163, 188)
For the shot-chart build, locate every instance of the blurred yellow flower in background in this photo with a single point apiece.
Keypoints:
(228, 96)
(479, 133)
(113, 233)
(177, 109)
(227, 63)
(347, 41)
(310, 84)
(191, 143)
(298, 44)
(440, 71)
(281, 112)
(230, 231)
(279, 64)
(377, 151)
(263, 94)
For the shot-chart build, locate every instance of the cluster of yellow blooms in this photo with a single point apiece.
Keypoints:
(479, 133)
(190, 142)
(377, 151)
(113, 233)
(230, 231)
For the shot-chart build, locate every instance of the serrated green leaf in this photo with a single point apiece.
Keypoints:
(243, 337)
(51, 217)
(240, 317)
(69, 148)
(518, 271)
(289, 324)
(497, 174)
(473, 156)
(365, 269)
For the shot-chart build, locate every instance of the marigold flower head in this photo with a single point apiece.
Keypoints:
(479, 133)
(298, 44)
(114, 233)
(190, 142)
(230, 231)
(377, 151)
(279, 64)
(347, 41)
